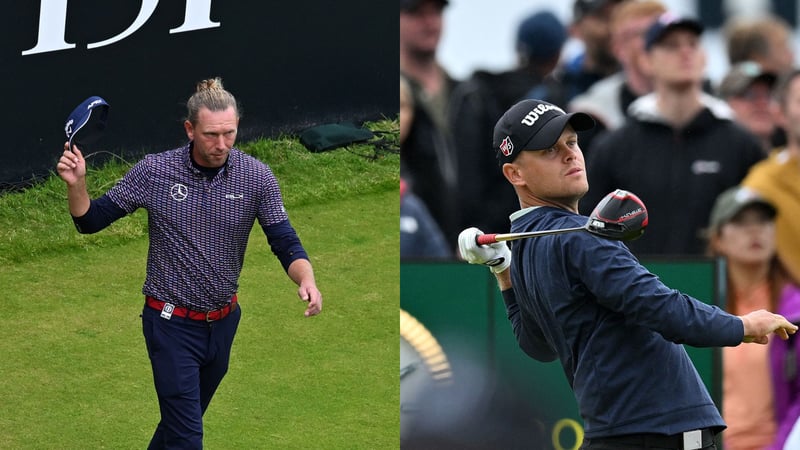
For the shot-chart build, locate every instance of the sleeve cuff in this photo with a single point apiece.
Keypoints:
(509, 297)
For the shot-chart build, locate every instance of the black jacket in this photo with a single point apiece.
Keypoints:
(428, 162)
(677, 173)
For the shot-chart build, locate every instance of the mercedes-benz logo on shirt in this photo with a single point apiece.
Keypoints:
(178, 192)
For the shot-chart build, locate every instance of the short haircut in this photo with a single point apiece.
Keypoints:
(748, 39)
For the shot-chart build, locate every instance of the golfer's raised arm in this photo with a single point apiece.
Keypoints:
(71, 168)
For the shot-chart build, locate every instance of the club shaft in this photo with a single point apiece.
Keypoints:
(486, 239)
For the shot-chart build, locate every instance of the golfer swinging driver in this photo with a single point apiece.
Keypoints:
(586, 301)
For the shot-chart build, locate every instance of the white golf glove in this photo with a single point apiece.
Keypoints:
(496, 256)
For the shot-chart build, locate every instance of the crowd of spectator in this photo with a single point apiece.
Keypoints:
(665, 131)
(684, 144)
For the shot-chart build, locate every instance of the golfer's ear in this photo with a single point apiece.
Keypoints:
(189, 129)
(511, 172)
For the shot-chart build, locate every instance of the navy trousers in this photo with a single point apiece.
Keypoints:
(189, 358)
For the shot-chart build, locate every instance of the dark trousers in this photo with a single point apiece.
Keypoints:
(189, 358)
(617, 446)
(647, 442)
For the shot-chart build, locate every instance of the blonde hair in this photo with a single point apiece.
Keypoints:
(635, 10)
(212, 95)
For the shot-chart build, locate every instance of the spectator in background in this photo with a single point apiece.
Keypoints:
(427, 161)
(777, 178)
(784, 357)
(485, 197)
(420, 235)
(679, 149)
(748, 91)
(590, 19)
(608, 99)
(766, 40)
(742, 231)
(540, 39)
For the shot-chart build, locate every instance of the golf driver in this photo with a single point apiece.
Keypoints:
(620, 216)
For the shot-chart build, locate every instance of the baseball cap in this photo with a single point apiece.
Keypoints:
(411, 5)
(87, 122)
(541, 36)
(742, 76)
(667, 22)
(732, 201)
(583, 8)
(533, 125)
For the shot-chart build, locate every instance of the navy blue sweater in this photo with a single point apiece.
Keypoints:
(615, 328)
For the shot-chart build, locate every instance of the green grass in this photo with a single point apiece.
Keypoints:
(33, 220)
(75, 370)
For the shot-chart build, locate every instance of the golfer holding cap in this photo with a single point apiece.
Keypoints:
(202, 200)
(586, 301)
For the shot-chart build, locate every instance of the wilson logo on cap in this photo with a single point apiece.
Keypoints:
(507, 147)
(537, 112)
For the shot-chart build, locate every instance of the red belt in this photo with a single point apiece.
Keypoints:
(180, 311)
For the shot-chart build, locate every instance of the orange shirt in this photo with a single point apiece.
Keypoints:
(747, 404)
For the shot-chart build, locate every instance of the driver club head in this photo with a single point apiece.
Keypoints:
(620, 215)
